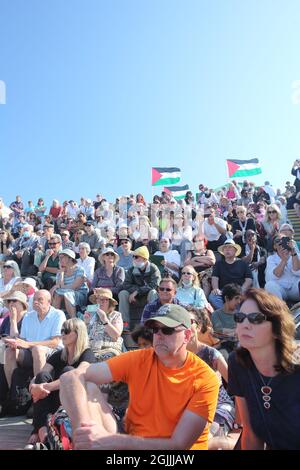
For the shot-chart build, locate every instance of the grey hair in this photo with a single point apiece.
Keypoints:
(86, 246)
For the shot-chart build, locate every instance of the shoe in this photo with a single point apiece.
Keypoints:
(40, 446)
(29, 447)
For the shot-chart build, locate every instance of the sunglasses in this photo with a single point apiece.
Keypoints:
(53, 243)
(65, 331)
(188, 274)
(255, 318)
(12, 300)
(136, 256)
(7, 267)
(165, 289)
(165, 330)
(109, 254)
(272, 212)
(2, 233)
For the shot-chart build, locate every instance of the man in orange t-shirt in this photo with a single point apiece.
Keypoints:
(173, 393)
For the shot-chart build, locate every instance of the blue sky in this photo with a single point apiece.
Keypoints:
(100, 91)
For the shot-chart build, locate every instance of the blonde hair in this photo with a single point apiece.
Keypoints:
(196, 282)
(275, 208)
(82, 341)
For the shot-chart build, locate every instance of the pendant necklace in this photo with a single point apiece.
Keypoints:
(266, 391)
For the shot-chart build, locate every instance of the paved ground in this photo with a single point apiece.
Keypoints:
(14, 432)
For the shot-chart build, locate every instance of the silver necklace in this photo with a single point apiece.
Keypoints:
(266, 391)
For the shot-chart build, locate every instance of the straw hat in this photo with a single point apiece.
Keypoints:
(101, 292)
(28, 281)
(230, 243)
(17, 295)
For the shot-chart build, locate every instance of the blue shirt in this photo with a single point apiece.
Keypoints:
(152, 308)
(35, 330)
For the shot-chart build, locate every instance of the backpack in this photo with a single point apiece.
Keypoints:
(59, 430)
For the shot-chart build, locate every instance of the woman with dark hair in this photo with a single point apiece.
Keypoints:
(264, 373)
(6, 242)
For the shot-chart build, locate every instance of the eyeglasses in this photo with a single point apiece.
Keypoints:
(103, 299)
(255, 318)
(165, 330)
(272, 212)
(12, 300)
(109, 254)
(188, 274)
(165, 289)
(65, 331)
(136, 256)
(2, 233)
(7, 267)
(53, 243)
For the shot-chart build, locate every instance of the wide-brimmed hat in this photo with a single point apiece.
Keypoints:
(28, 281)
(230, 243)
(17, 295)
(286, 227)
(171, 315)
(67, 252)
(108, 250)
(101, 291)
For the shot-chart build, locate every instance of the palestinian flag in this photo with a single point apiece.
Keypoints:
(178, 192)
(162, 176)
(240, 168)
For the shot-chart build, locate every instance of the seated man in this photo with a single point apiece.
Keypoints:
(283, 269)
(140, 283)
(40, 335)
(173, 394)
(166, 295)
(229, 269)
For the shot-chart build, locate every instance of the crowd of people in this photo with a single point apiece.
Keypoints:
(202, 285)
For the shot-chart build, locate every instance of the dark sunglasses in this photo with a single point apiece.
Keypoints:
(53, 243)
(7, 267)
(272, 212)
(65, 331)
(12, 300)
(2, 233)
(188, 274)
(255, 318)
(165, 289)
(165, 330)
(109, 254)
(136, 256)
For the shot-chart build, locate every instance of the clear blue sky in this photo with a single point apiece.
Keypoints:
(99, 91)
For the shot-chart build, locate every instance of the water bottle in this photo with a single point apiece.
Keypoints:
(223, 440)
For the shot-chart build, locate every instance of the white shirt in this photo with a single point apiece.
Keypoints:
(289, 276)
(211, 233)
(89, 266)
(171, 256)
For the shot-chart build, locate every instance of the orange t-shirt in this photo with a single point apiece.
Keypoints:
(159, 395)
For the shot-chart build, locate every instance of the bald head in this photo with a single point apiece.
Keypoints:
(42, 302)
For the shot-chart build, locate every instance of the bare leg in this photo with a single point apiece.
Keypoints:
(100, 409)
(10, 365)
(70, 309)
(39, 358)
(56, 302)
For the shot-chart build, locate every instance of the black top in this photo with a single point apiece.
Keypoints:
(278, 426)
(5, 326)
(58, 364)
(227, 273)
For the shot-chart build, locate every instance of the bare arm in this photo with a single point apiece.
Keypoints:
(188, 429)
(247, 284)
(223, 367)
(249, 440)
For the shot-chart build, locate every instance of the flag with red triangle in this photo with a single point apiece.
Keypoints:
(241, 168)
(162, 176)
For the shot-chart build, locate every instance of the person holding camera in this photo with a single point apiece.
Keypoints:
(283, 269)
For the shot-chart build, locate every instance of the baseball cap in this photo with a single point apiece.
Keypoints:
(172, 315)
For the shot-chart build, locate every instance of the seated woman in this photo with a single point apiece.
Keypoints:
(44, 388)
(225, 411)
(86, 262)
(17, 306)
(71, 286)
(202, 261)
(109, 275)
(10, 275)
(188, 291)
(104, 324)
(6, 242)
